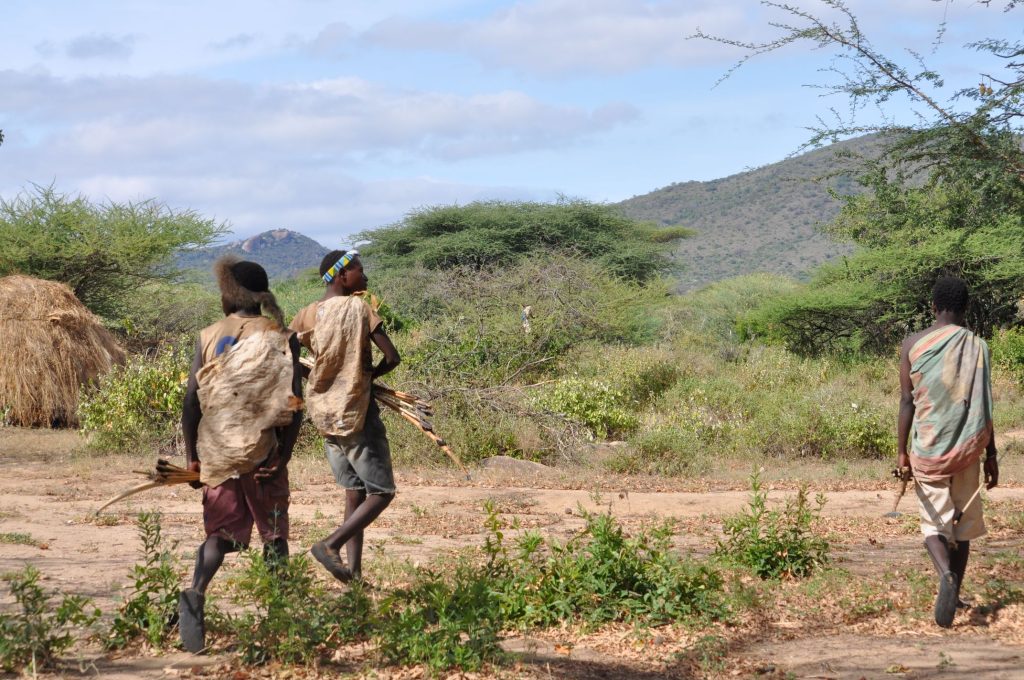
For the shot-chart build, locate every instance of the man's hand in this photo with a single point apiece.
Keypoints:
(195, 467)
(903, 460)
(269, 469)
(991, 472)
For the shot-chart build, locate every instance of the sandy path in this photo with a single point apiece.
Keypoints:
(47, 491)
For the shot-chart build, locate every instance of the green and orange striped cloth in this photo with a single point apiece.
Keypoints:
(950, 372)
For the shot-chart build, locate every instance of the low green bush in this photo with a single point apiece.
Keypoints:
(599, 576)
(775, 543)
(667, 450)
(139, 403)
(442, 621)
(40, 629)
(603, 408)
(150, 610)
(1007, 347)
(288, 615)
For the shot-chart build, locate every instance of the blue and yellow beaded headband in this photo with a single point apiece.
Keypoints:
(339, 265)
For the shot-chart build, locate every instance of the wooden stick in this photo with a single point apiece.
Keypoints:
(960, 513)
(165, 474)
(125, 494)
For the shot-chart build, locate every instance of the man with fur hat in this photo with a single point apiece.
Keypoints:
(240, 422)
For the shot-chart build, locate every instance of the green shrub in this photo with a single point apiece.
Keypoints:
(470, 332)
(150, 609)
(34, 635)
(775, 543)
(160, 312)
(599, 576)
(442, 621)
(289, 616)
(484, 234)
(667, 450)
(1007, 347)
(138, 403)
(598, 405)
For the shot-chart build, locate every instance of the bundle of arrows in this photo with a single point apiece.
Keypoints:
(165, 474)
(412, 409)
(418, 412)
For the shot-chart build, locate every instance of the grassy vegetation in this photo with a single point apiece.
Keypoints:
(18, 538)
(41, 626)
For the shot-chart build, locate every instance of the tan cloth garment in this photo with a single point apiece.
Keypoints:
(304, 321)
(338, 391)
(245, 391)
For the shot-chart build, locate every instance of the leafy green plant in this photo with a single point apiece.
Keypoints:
(34, 636)
(1007, 347)
(102, 251)
(599, 576)
(603, 408)
(442, 621)
(501, 233)
(137, 403)
(775, 543)
(289, 615)
(150, 610)
(18, 538)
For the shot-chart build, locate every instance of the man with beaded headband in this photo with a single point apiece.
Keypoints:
(339, 329)
(240, 421)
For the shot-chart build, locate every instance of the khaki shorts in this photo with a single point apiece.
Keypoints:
(940, 500)
(362, 461)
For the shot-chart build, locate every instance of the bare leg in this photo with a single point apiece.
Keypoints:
(209, 557)
(354, 547)
(945, 602)
(327, 551)
(958, 565)
(191, 602)
(938, 550)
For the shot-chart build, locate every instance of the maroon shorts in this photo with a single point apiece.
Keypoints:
(229, 510)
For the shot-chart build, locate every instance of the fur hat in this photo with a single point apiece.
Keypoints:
(245, 285)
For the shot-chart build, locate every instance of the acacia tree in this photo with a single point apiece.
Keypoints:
(946, 195)
(102, 251)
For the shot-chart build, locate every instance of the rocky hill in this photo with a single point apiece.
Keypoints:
(283, 253)
(764, 219)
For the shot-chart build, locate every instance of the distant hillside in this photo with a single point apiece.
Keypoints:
(282, 253)
(760, 220)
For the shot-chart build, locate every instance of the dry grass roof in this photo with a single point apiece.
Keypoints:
(51, 346)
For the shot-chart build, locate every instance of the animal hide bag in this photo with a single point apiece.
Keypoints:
(244, 393)
(338, 391)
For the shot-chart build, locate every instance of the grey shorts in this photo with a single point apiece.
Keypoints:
(362, 461)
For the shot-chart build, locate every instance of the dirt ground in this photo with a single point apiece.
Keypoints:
(49, 486)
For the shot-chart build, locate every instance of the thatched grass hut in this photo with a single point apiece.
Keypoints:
(51, 345)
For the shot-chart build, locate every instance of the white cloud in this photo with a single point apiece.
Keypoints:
(270, 155)
(151, 118)
(576, 36)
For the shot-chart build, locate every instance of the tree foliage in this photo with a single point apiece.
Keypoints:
(102, 251)
(946, 196)
(491, 233)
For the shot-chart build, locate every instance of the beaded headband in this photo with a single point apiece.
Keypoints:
(339, 265)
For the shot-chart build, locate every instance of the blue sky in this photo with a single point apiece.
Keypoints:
(332, 117)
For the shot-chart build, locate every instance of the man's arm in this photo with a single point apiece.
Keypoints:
(991, 465)
(390, 360)
(192, 413)
(906, 417)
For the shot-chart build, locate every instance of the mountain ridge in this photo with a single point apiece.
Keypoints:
(763, 219)
(282, 252)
